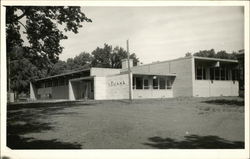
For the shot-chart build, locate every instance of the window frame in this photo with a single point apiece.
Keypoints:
(144, 86)
(164, 79)
(157, 80)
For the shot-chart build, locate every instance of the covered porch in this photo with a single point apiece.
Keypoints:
(81, 88)
(215, 77)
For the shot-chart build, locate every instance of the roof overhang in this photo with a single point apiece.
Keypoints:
(82, 78)
(215, 59)
(63, 75)
(155, 74)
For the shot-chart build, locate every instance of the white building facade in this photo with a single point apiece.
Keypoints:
(189, 76)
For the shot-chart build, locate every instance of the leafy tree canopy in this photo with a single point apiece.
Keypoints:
(108, 57)
(211, 53)
(41, 28)
(43, 34)
(105, 57)
(81, 61)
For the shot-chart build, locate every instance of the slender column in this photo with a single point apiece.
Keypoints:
(33, 92)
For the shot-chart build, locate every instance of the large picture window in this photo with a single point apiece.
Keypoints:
(61, 82)
(155, 83)
(234, 74)
(138, 82)
(169, 84)
(217, 73)
(55, 83)
(204, 73)
(200, 73)
(162, 83)
(48, 84)
(222, 73)
(145, 83)
(211, 73)
(226, 73)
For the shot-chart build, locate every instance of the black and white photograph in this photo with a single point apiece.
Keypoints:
(139, 76)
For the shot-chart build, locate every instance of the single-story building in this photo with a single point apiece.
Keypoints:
(187, 76)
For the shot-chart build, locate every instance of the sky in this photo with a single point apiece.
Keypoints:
(159, 33)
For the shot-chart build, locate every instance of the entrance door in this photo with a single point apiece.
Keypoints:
(86, 90)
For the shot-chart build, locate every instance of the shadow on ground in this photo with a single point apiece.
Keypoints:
(18, 142)
(25, 119)
(226, 102)
(194, 142)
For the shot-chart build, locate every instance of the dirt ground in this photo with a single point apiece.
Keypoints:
(177, 123)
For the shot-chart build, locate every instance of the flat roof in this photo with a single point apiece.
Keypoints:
(195, 57)
(188, 57)
(151, 74)
(63, 74)
(215, 59)
(155, 74)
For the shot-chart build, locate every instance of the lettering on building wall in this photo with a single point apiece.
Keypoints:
(116, 83)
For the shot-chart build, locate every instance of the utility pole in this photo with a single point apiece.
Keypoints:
(129, 73)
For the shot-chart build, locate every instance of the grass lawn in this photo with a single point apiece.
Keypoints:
(177, 123)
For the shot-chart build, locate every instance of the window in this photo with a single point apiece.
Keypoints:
(212, 73)
(199, 72)
(40, 85)
(61, 82)
(204, 73)
(55, 83)
(162, 83)
(66, 82)
(169, 84)
(48, 84)
(145, 84)
(226, 73)
(155, 83)
(217, 73)
(234, 74)
(138, 82)
(222, 73)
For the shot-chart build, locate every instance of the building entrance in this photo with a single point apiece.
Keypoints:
(81, 89)
(86, 90)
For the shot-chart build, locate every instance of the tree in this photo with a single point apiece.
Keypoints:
(188, 54)
(58, 68)
(22, 70)
(111, 58)
(40, 25)
(205, 53)
(102, 56)
(220, 54)
(83, 60)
